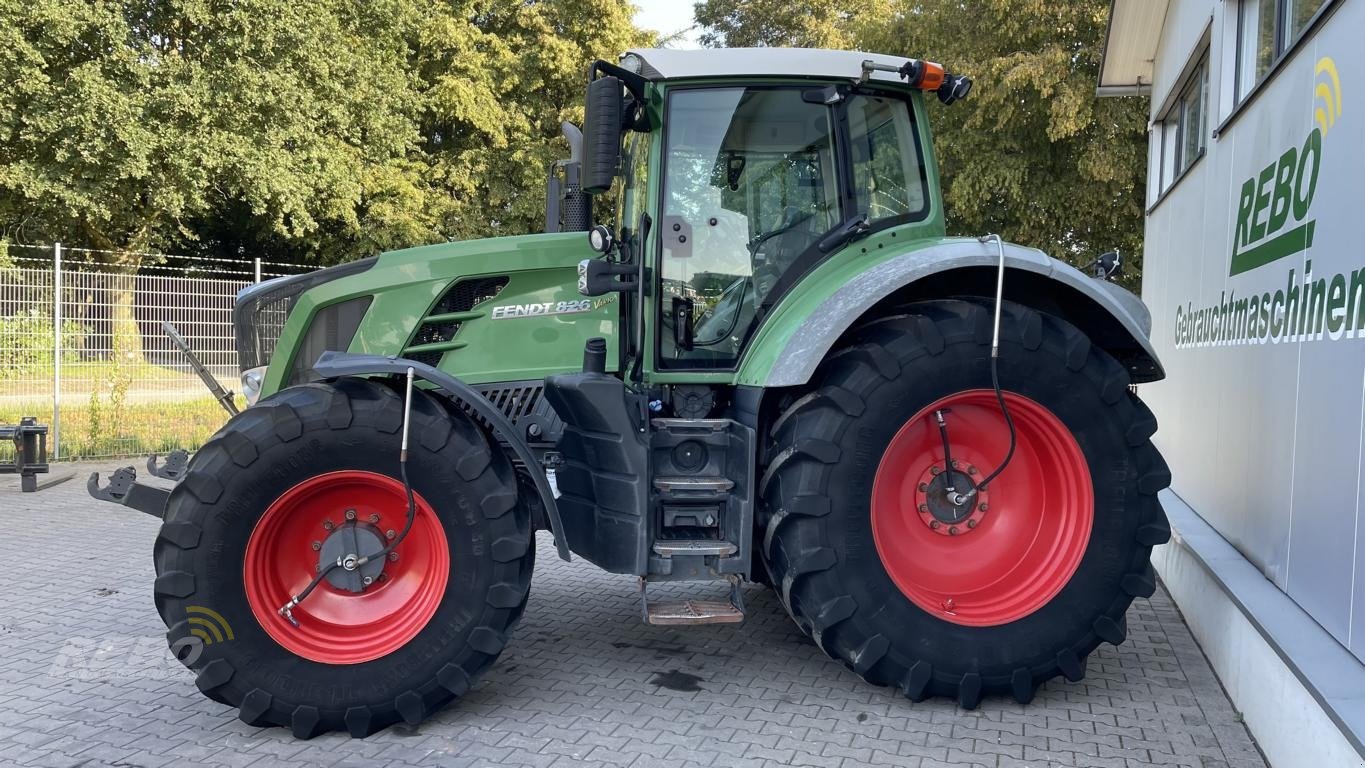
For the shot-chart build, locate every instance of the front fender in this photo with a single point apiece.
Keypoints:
(334, 364)
(806, 325)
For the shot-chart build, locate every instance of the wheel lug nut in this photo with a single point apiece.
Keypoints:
(923, 487)
(317, 545)
(328, 525)
(374, 518)
(393, 557)
(934, 471)
(390, 533)
(971, 523)
(367, 581)
(935, 524)
(982, 506)
(924, 507)
(954, 463)
(952, 531)
(350, 514)
(971, 470)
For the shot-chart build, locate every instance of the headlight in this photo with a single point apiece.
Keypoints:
(251, 384)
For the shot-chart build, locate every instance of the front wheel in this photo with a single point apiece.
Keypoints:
(893, 574)
(307, 475)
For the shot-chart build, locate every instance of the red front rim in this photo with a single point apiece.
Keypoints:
(337, 626)
(1028, 530)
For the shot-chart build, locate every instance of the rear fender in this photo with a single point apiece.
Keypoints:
(334, 364)
(806, 325)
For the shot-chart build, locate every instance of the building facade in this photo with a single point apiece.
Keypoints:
(1254, 270)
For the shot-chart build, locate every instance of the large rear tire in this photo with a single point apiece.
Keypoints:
(269, 496)
(994, 597)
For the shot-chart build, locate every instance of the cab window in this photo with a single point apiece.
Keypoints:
(752, 182)
(749, 185)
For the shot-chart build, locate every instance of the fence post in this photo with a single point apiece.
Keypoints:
(258, 269)
(56, 349)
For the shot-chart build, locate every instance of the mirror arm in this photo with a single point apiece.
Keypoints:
(635, 83)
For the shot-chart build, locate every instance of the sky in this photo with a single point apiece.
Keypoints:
(667, 17)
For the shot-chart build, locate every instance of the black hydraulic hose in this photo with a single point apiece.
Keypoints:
(947, 451)
(958, 499)
(999, 398)
(342, 562)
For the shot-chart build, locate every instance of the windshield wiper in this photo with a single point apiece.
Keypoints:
(850, 230)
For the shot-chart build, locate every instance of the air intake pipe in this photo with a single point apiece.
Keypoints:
(567, 208)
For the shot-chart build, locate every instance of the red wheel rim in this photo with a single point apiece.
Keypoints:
(337, 626)
(1027, 542)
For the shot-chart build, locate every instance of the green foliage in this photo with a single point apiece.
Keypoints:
(813, 24)
(1032, 153)
(291, 129)
(26, 344)
(145, 428)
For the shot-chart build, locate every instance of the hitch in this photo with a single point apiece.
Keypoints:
(173, 468)
(123, 488)
(30, 451)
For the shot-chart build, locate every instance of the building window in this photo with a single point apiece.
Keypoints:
(1185, 126)
(1265, 30)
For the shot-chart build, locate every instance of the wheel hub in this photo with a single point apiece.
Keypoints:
(994, 560)
(350, 542)
(347, 513)
(933, 500)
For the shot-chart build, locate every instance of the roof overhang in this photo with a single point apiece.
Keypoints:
(676, 64)
(1130, 43)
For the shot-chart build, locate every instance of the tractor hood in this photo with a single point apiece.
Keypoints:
(500, 309)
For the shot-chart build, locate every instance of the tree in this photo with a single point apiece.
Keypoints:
(496, 81)
(121, 123)
(1031, 153)
(299, 130)
(814, 24)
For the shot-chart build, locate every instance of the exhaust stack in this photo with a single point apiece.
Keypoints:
(567, 208)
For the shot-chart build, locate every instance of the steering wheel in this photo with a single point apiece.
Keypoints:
(724, 316)
(792, 219)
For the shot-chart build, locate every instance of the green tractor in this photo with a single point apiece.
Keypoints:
(772, 366)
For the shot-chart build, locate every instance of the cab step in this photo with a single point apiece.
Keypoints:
(689, 611)
(674, 612)
(693, 485)
(671, 548)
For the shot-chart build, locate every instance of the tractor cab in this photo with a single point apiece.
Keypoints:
(736, 174)
(731, 187)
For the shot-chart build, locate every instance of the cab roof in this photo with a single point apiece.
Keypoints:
(671, 64)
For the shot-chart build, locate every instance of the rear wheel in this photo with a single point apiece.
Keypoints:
(872, 557)
(307, 475)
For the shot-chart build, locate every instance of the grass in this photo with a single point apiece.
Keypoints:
(136, 429)
(79, 379)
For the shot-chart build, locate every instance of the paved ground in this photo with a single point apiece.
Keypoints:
(85, 681)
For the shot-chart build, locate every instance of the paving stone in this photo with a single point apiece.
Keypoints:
(85, 680)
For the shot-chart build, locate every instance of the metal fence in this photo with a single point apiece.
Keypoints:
(82, 348)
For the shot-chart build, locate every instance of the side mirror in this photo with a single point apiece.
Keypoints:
(602, 134)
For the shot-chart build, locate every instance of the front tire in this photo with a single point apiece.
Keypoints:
(264, 500)
(994, 597)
